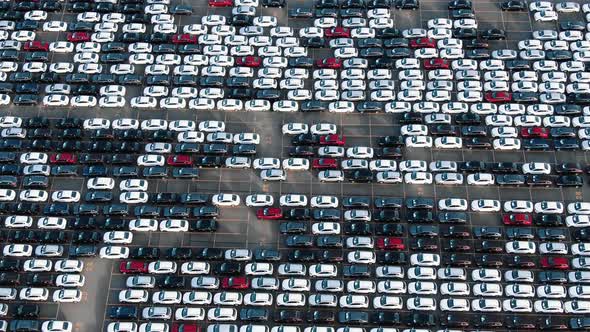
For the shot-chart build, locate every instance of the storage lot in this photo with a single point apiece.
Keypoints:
(239, 227)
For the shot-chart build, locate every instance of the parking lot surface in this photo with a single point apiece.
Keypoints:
(239, 227)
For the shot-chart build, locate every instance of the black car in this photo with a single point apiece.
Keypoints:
(25, 325)
(487, 232)
(293, 227)
(419, 203)
(313, 42)
(452, 217)
(326, 214)
(356, 271)
(303, 62)
(493, 34)
(388, 229)
(289, 316)
(207, 211)
(170, 282)
(267, 255)
(406, 4)
(572, 25)
(474, 131)
(579, 323)
(301, 151)
(569, 181)
(326, 4)
(358, 201)
(299, 241)
(390, 215)
(83, 251)
(328, 241)
(455, 320)
(357, 229)
(203, 225)
(488, 321)
(563, 132)
(360, 175)
(548, 220)
(513, 5)
(510, 179)
(388, 203)
(305, 139)
(297, 214)
(229, 268)
(568, 109)
(9, 265)
(391, 141)
(423, 230)
(122, 312)
(244, 149)
(553, 323)
(460, 4)
(384, 317)
(209, 161)
(420, 217)
(559, 55)
(26, 311)
(520, 233)
(552, 277)
(321, 316)
(551, 234)
(465, 33)
(300, 13)
(389, 153)
(210, 254)
(353, 317)
(254, 314)
(145, 253)
(301, 256)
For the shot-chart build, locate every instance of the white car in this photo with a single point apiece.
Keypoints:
(517, 305)
(452, 204)
(226, 200)
(518, 206)
(481, 179)
(295, 128)
(293, 200)
(296, 164)
(486, 305)
(421, 304)
(520, 247)
(259, 200)
(454, 304)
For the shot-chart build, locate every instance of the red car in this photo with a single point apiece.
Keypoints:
(36, 45)
(390, 243)
(185, 328)
(333, 139)
(77, 37)
(517, 219)
(179, 160)
(235, 283)
(338, 32)
(534, 132)
(498, 97)
(63, 158)
(270, 213)
(133, 267)
(331, 63)
(423, 43)
(221, 3)
(437, 63)
(560, 263)
(184, 38)
(248, 61)
(324, 163)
